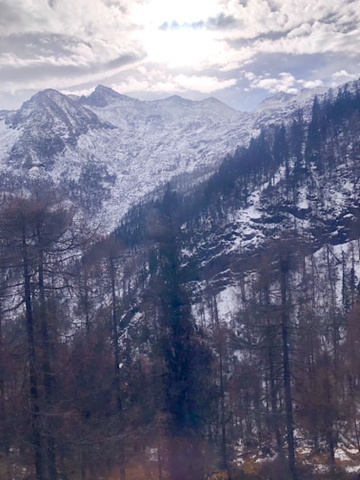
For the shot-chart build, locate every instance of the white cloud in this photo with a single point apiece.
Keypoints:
(343, 75)
(157, 82)
(311, 83)
(250, 75)
(62, 83)
(83, 18)
(322, 39)
(285, 82)
(204, 84)
(300, 31)
(260, 17)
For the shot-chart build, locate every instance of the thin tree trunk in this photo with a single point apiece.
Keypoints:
(116, 352)
(286, 370)
(86, 301)
(160, 462)
(115, 336)
(33, 379)
(48, 374)
(273, 400)
(5, 436)
(220, 347)
(271, 335)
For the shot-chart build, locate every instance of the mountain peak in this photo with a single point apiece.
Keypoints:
(50, 92)
(178, 100)
(215, 102)
(48, 104)
(105, 91)
(281, 97)
(48, 121)
(211, 100)
(102, 96)
(47, 95)
(103, 88)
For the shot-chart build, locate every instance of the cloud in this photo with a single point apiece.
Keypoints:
(158, 82)
(343, 76)
(260, 17)
(184, 12)
(83, 18)
(223, 22)
(219, 22)
(285, 82)
(203, 84)
(66, 77)
(311, 83)
(250, 76)
(295, 27)
(302, 30)
(58, 69)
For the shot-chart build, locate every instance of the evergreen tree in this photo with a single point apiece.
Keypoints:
(184, 354)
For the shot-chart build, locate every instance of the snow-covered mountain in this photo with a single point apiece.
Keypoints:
(47, 123)
(108, 150)
(285, 105)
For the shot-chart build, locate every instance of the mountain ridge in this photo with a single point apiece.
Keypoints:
(138, 144)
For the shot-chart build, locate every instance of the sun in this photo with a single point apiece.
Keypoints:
(180, 48)
(174, 32)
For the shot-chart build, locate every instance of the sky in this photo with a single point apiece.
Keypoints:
(239, 51)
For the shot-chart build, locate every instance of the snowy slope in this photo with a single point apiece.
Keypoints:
(313, 201)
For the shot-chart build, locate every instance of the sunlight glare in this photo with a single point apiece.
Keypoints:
(180, 47)
(181, 41)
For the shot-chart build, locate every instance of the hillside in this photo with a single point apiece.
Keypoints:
(270, 256)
